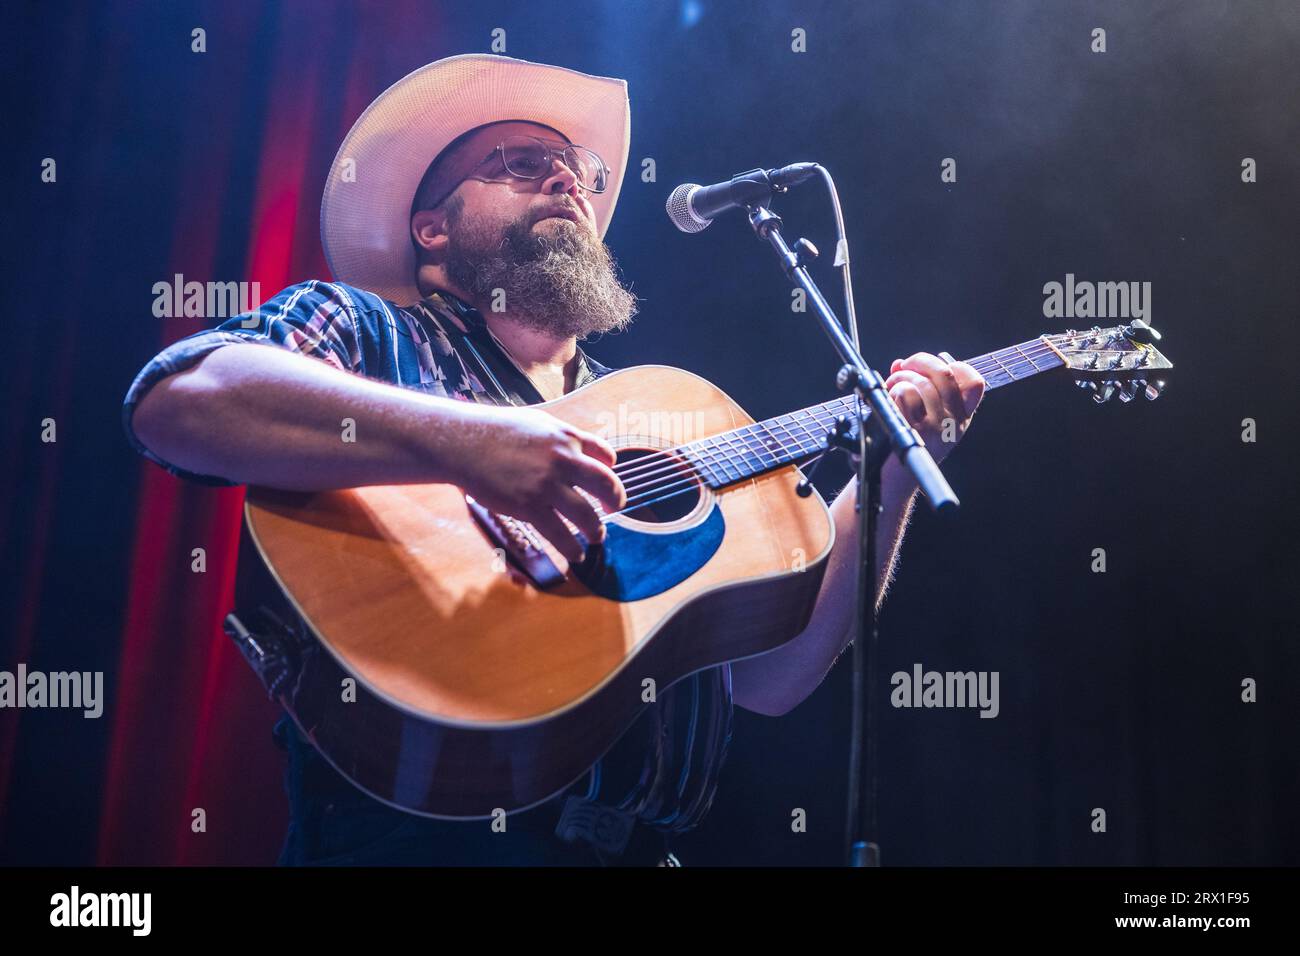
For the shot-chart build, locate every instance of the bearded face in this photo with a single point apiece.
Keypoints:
(557, 275)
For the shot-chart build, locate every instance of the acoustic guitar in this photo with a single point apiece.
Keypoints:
(448, 661)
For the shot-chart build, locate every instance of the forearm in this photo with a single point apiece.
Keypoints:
(262, 415)
(774, 683)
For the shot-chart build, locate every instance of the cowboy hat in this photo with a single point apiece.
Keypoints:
(366, 209)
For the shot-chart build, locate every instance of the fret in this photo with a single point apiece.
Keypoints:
(1016, 362)
(705, 450)
(1001, 366)
(829, 414)
(798, 430)
(700, 459)
(822, 420)
(797, 425)
(770, 441)
(757, 456)
(784, 427)
(799, 420)
(728, 463)
(1034, 357)
(753, 443)
(799, 437)
(1009, 360)
(740, 439)
(1027, 358)
(823, 417)
(716, 467)
(736, 451)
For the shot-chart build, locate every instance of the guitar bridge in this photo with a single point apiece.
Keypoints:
(520, 543)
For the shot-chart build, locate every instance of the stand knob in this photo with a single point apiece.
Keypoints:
(806, 251)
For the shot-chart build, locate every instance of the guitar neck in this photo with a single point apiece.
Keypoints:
(747, 452)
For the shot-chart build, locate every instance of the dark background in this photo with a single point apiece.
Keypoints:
(1118, 690)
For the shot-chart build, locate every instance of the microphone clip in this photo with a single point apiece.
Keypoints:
(843, 438)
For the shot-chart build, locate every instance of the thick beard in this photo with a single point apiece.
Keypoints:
(561, 281)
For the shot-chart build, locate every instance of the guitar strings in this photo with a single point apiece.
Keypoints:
(983, 363)
(688, 473)
(638, 491)
(651, 474)
(672, 458)
(742, 441)
(638, 481)
(990, 363)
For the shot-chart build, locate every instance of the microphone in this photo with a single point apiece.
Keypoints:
(692, 207)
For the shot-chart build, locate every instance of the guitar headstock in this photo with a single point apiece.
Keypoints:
(1120, 361)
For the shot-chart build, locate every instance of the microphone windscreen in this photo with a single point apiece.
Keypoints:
(679, 209)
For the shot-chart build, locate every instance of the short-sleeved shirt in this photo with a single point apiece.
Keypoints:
(664, 770)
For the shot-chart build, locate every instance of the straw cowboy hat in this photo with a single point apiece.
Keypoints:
(365, 212)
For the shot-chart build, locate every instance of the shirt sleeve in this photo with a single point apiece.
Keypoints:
(318, 319)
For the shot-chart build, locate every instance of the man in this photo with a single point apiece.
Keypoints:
(475, 192)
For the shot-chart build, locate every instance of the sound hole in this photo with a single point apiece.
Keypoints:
(660, 487)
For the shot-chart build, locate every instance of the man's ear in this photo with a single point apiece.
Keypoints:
(429, 231)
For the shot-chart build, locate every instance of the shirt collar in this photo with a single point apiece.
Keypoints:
(588, 368)
(469, 316)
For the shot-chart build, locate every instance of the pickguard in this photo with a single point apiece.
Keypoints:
(632, 565)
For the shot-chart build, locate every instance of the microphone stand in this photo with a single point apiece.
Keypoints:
(877, 435)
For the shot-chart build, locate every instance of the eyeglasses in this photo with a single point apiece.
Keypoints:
(527, 157)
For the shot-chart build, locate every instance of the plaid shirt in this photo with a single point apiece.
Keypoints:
(665, 768)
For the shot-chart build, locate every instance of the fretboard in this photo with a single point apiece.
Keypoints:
(747, 452)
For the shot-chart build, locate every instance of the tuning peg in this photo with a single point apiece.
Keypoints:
(1127, 391)
(1104, 392)
(1154, 389)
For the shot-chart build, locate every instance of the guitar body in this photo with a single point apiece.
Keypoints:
(478, 689)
